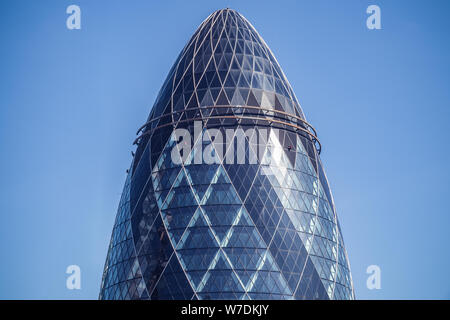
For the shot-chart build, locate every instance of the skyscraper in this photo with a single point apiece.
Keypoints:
(230, 229)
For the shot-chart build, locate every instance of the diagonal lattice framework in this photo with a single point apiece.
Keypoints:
(227, 231)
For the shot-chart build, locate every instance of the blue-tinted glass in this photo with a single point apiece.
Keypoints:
(228, 230)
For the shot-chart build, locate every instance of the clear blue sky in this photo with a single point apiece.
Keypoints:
(71, 102)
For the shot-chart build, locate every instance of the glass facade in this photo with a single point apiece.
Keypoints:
(265, 230)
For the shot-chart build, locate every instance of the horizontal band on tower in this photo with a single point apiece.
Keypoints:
(300, 125)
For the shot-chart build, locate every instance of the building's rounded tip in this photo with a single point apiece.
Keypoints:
(223, 10)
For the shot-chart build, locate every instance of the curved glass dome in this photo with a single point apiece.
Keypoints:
(227, 230)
